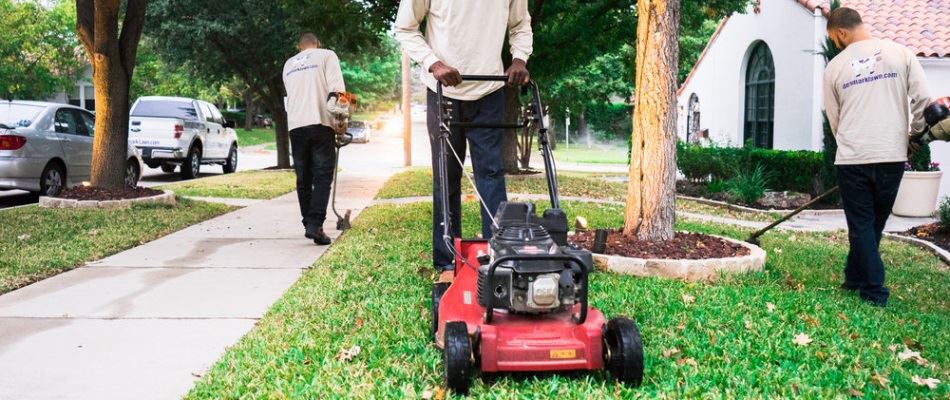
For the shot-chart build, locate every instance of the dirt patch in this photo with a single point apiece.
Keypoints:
(685, 246)
(931, 233)
(84, 193)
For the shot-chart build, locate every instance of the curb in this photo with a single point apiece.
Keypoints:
(168, 197)
(942, 254)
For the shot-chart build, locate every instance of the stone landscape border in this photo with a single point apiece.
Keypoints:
(942, 254)
(167, 197)
(688, 270)
(735, 207)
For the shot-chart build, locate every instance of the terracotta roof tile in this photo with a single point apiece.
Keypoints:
(922, 25)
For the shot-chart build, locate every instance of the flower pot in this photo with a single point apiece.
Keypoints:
(917, 196)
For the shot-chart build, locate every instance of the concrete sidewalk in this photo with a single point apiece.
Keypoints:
(146, 323)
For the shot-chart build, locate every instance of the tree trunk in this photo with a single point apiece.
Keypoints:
(275, 87)
(248, 109)
(651, 195)
(526, 146)
(510, 142)
(112, 54)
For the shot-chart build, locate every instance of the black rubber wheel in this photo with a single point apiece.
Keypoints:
(52, 180)
(438, 289)
(230, 166)
(132, 173)
(192, 165)
(168, 168)
(457, 359)
(623, 351)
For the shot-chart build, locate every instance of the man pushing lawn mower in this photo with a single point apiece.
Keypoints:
(466, 36)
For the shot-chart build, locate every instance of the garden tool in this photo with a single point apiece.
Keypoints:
(937, 115)
(754, 239)
(338, 106)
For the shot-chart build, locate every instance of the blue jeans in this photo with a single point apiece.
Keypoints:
(486, 149)
(314, 151)
(868, 193)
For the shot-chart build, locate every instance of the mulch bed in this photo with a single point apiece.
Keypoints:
(931, 233)
(684, 246)
(85, 193)
(698, 190)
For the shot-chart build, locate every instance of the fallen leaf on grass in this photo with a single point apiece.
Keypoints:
(914, 356)
(670, 352)
(349, 354)
(913, 344)
(880, 380)
(684, 361)
(23, 237)
(687, 299)
(802, 339)
(930, 383)
(892, 348)
(770, 307)
(855, 393)
(842, 317)
(748, 325)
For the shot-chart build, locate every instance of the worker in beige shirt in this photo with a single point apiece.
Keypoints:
(313, 80)
(871, 89)
(466, 37)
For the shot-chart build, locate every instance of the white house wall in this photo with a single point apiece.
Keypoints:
(938, 77)
(719, 80)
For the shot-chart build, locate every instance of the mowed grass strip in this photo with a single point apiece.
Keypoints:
(731, 339)
(36, 243)
(262, 185)
(254, 137)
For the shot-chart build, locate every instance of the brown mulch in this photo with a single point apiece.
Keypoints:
(931, 233)
(685, 246)
(102, 194)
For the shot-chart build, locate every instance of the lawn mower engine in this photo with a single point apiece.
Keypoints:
(524, 285)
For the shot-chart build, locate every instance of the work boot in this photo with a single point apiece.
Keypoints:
(318, 236)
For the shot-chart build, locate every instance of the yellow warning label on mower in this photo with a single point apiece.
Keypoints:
(563, 354)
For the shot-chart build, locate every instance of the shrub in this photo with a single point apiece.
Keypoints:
(749, 185)
(943, 215)
(237, 117)
(798, 171)
(716, 186)
(920, 160)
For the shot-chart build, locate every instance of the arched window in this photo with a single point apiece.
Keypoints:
(692, 118)
(760, 97)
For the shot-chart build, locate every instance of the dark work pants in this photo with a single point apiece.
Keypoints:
(867, 194)
(486, 149)
(314, 152)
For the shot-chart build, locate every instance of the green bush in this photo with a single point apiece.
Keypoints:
(798, 171)
(237, 117)
(943, 213)
(610, 121)
(920, 160)
(749, 185)
(716, 186)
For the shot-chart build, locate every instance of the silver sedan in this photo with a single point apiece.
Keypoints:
(45, 147)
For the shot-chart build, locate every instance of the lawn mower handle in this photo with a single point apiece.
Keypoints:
(344, 140)
(490, 309)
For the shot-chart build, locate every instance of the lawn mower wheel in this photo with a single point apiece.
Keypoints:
(623, 351)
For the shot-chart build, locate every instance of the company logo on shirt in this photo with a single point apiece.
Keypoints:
(865, 71)
(299, 65)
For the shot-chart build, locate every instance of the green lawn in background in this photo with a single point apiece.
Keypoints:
(241, 185)
(418, 182)
(36, 243)
(579, 153)
(254, 137)
(731, 339)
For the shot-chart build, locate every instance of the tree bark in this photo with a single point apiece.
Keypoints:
(112, 54)
(510, 141)
(248, 109)
(275, 87)
(651, 195)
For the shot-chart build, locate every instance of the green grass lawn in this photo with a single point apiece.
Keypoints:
(734, 340)
(578, 153)
(36, 243)
(418, 182)
(241, 185)
(254, 137)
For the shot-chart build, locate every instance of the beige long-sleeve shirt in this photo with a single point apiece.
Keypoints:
(467, 35)
(871, 91)
(309, 78)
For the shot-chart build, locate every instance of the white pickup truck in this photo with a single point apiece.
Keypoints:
(177, 131)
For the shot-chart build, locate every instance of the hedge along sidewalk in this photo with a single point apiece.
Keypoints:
(258, 185)
(734, 338)
(145, 323)
(36, 243)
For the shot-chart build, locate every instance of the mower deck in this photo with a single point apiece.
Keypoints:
(515, 342)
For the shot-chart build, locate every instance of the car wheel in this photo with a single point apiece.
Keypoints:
(192, 165)
(457, 358)
(53, 180)
(132, 173)
(623, 351)
(230, 166)
(168, 168)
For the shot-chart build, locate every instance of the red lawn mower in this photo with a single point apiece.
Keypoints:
(519, 301)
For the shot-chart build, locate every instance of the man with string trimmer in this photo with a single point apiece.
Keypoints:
(466, 36)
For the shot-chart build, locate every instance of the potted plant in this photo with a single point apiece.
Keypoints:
(920, 187)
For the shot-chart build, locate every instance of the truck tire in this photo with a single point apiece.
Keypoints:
(230, 165)
(192, 165)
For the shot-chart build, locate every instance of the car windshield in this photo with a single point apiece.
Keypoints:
(357, 124)
(166, 109)
(19, 115)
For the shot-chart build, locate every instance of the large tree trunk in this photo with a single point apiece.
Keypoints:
(510, 143)
(112, 55)
(248, 109)
(651, 195)
(275, 87)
